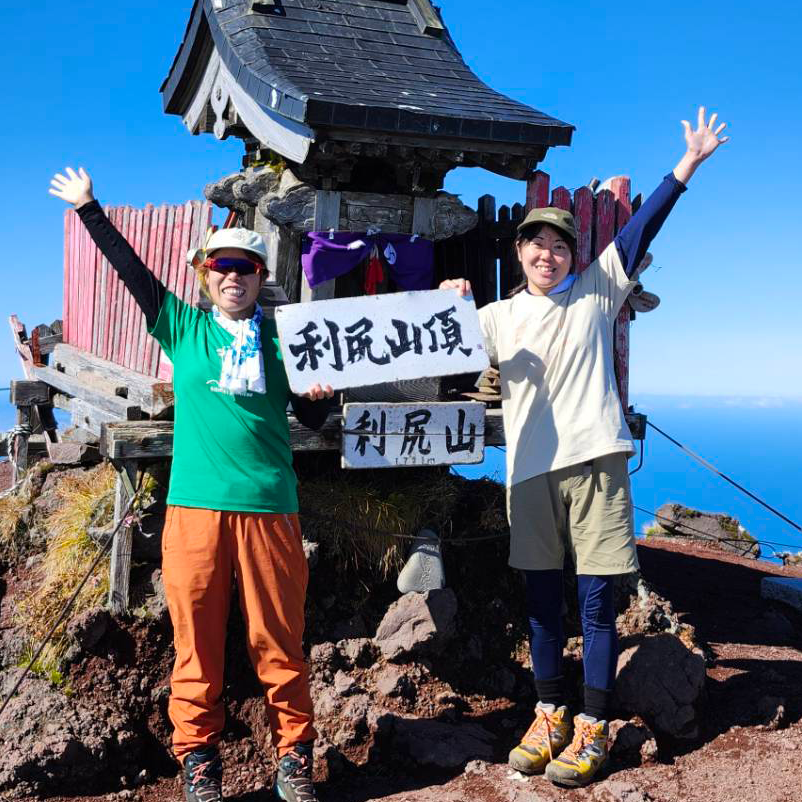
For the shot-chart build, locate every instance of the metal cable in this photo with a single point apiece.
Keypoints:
(711, 467)
(457, 541)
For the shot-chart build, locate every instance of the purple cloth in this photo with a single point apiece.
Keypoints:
(409, 259)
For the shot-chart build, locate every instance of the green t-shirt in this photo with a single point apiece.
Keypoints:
(230, 452)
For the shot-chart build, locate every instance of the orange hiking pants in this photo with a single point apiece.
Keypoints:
(200, 550)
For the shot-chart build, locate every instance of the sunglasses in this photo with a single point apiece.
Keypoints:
(242, 267)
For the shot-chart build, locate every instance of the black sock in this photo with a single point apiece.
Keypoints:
(550, 691)
(597, 702)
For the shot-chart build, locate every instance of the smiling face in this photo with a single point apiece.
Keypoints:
(546, 258)
(234, 295)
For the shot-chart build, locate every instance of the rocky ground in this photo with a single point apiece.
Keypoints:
(421, 697)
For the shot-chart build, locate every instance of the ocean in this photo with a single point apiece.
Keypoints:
(757, 442)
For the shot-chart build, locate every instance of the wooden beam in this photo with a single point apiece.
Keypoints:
(423, 214)
(25, 392)
(426, 17)
(327, 215)
(120, 570)
(121, 407)
(151, 394)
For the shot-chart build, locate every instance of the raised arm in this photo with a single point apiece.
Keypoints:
(148, 291)
(634, 239)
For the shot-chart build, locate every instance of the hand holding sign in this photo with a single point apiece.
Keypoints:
(354, 342)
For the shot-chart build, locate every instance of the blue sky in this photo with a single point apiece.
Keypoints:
(85, 91)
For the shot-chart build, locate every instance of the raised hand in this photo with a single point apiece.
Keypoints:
(75, 188)
(703, 141)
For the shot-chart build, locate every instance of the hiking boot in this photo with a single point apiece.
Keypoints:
(581, 761)
(546, 737)
(294, 776)
(203, 776)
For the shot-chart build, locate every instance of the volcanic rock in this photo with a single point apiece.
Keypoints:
(632, 742)
(722, 530)
(418, 623)
(662, 680)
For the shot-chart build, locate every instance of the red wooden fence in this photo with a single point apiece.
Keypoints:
(100, 315)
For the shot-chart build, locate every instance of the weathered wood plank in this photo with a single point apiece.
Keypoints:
(537, 191)
(621, 188)
(423, 212)
(146, 440)
(561, 198)
(147, 392)
(86, 416)
(153, 349)
(120, 407)
(605, 221)
(113, 290)
(120, 570)
(583, 219)
(487, 256)
(154, 439)
(68, 213)
(21, 442)
(426, 17)
(24, 392)
(327, 215)
(121, 320)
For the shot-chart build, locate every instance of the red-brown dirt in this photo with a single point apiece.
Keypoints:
(745, 749)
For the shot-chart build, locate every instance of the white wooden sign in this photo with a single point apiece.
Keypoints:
(409, 435)
(354, 342)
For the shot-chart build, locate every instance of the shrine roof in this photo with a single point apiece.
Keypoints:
(371, 65)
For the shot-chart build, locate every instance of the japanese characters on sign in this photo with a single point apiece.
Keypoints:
(354, 342)
(399, 435)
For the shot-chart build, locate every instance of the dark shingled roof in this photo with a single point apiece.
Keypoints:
(358, 64)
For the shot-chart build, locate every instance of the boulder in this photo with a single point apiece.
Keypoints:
(418, 623)
(53, 743)
(723, 531)
(662, 680)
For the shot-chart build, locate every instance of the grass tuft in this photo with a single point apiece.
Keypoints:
(86, 499)
(355, 520)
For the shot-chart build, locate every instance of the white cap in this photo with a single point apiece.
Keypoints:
(242, 238)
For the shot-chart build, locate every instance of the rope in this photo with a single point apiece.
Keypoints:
(457, 541)
(68, 606)
(711, 467)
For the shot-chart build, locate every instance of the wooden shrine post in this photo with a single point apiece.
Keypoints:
(120, 570)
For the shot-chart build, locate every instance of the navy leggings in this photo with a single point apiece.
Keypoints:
(544, 602)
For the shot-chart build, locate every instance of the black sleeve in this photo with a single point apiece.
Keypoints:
(635, 237)
(311, 414)
(148, 291)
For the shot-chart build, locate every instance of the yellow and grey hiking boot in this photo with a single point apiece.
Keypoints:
(580, 762)
(547, 735)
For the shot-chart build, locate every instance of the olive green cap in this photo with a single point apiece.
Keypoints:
(558, 218)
